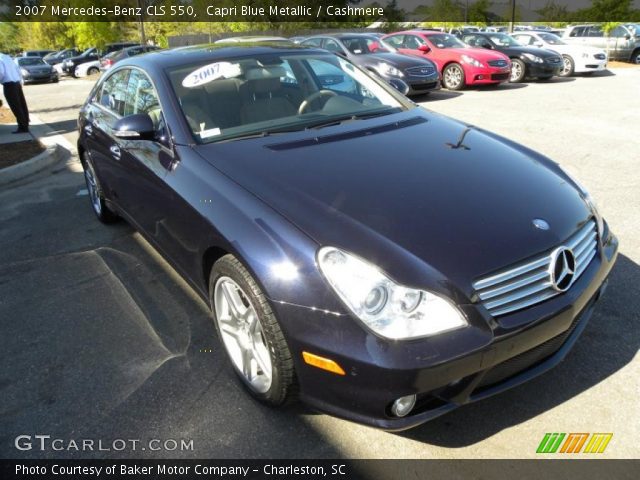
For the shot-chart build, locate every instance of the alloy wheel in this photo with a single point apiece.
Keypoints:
(516, 71)
(453, 77)
(566, 66)
(93, 188)
(242, 334)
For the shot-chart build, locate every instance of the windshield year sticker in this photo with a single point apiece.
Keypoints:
(212, 132)
(211, 72)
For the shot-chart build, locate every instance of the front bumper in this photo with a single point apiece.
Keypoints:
(486, 75)
(444, 371)
(590, 65)
(419, 84)
(37, 78)
(543, 69)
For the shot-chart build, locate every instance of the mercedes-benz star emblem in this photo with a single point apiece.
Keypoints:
(540, 224)
(562, 269)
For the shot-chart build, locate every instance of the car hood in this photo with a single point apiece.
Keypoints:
(396, 59)
(406, 188)
(482, 54)
(37, 68)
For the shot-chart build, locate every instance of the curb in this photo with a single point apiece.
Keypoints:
(51, 155)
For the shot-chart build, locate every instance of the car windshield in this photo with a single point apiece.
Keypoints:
(443, 40)
(551, 39)
(364, 45)
(272, 93)
(504, 40)
(30, 61)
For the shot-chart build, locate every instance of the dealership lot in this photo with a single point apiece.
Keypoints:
(102, 340)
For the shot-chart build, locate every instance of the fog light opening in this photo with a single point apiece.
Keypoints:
(403, 406)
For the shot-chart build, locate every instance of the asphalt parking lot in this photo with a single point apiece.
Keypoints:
(101, 339)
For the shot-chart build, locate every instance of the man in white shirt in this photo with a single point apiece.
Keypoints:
(11, 80)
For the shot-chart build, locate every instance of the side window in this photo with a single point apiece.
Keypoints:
(619, 32)
(396, 41)
(134, 51)
(595, 32)
(313, 42)
(412, 42)
(525, 39)
(113, 93)
(577, 32)
(332, 46)
(142, 97)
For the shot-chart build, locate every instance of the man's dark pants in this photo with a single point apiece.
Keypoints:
(15, 98)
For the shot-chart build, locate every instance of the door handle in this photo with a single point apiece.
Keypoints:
(88, 128)
(115, 150)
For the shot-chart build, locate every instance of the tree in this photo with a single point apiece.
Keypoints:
(552, 12)
(479, 12)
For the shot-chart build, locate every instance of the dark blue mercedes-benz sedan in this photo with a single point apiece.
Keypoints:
(384, 263)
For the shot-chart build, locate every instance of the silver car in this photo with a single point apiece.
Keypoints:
(623, 43)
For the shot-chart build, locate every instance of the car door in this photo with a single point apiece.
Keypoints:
(101, 114)
(621, 42)
(143, 164)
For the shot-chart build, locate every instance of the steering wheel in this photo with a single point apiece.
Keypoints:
(313, 97)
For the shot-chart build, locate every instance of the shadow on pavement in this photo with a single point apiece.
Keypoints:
(100, 339)
(610, 341)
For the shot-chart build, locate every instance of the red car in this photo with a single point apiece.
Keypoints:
(459, 65)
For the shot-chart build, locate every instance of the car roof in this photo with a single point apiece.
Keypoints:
(162, 59)
(343, 35)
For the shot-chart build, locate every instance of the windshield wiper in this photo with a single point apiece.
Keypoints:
(348, 118)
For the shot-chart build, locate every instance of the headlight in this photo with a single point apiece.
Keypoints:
(24, 72)
(533, 58)
(471, 61)
(390, 310)
(389, 70)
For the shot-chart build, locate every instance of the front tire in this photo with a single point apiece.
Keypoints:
(568, 66)
(518, 71)
(93, 71)
(453, 77)
(635, 57)
(98, 204)
(251, 334)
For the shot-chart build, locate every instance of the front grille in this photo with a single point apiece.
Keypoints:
(530, 283)
(554, 60)
(425, 71)
(599, 56)
(497, 63)
(526, 360)
(423, 86)
(499, 76)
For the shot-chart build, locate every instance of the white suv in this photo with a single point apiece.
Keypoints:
(623, 43)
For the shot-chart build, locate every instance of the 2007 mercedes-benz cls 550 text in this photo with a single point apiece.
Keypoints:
(384, 263)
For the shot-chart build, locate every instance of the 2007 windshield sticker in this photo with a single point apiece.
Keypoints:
(211, 72)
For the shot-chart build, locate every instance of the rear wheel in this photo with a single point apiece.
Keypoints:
(568, 66)
(251, 333)
(453, 77)
(518, 70)
(92, 71)
(635, 57)
(104, 213)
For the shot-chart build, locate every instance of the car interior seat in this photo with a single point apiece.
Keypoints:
(262, 95)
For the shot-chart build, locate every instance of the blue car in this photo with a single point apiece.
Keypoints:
(380, 262)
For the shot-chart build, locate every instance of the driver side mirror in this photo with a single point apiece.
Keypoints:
(424, 49)
(537, 44)
(135, 127)
(627, 36)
